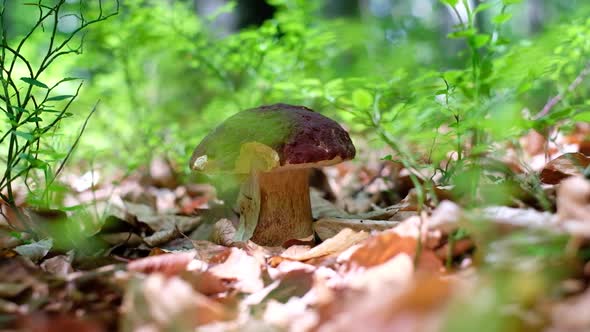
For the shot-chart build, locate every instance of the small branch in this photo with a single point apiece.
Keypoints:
(558, 98)
(72, 147)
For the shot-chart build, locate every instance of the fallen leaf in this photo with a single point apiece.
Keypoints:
(458, 247)
(573, 199)
(207, 250)
(396, 272)
(287, 266)
(36, 250)
(167, 303)
(383, 247)
(292, 251)
(329, 226)
(321, 207)
(409, 306)
(510, 218)
(294, 283)
(167, 264)
(566, 165)
(139, 210)
(445, 217)
(161, 173)
(11, 289)
(205, 282)
(168, 226)
(293, 315)
(59, 265)
(51, 323)
(533, 142)
(394, 212)
(334, 245)
(572, 315)
(243, 268)
(224, 232)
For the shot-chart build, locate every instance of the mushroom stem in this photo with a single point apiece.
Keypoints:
(285, 208)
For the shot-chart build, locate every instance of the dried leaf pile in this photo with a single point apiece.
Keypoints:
(150, 267)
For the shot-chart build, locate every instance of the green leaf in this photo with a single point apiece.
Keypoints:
(465, 33)
(61, 97)
(26, 156)
(502, 18)
(24, 135)
(450, 2)
(36, 250)
(582, 117)
(362, 99)
(480, 40)
(32, 81)
(20, 109)
(510, 2)
(483, 6)
(70, 79)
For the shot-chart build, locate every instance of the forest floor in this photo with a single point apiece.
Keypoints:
(379, 262)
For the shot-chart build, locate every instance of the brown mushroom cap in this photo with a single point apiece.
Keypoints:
(297, 134)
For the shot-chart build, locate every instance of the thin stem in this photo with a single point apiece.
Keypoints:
(72, 147)
(559, 97)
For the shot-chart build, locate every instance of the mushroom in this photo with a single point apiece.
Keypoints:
(270, 149)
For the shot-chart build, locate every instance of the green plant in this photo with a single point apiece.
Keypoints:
(32, 107)
(454, 124)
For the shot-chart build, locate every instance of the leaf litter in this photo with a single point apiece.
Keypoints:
(391, 267)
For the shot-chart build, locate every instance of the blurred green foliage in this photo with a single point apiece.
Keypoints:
(33, 102)
(445, 84)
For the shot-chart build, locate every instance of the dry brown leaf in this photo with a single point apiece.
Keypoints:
(292, 251)
(161, 173)
(417, 227)
(510, 218)
(292, 316)
(459, 247)
(572, 315)
(60, 323)
(321, 207)
(329, 226)
(396, 272)
(413, 306)
(533, 142)
(243, 268)
(383, 247)
(168, 226)
(427, 293)
(342, 241)
(566, 165)
(287, 266)
(294, 283)
(206, 250)
(167, 303)
(205, 282)
(445, 217)
(223, 232)
(573, 199)
(59, 265)
(167, 264)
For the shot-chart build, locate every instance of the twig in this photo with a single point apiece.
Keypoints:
(71, 150)
(558, 98)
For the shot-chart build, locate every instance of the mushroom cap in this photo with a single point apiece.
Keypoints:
(296, 136)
